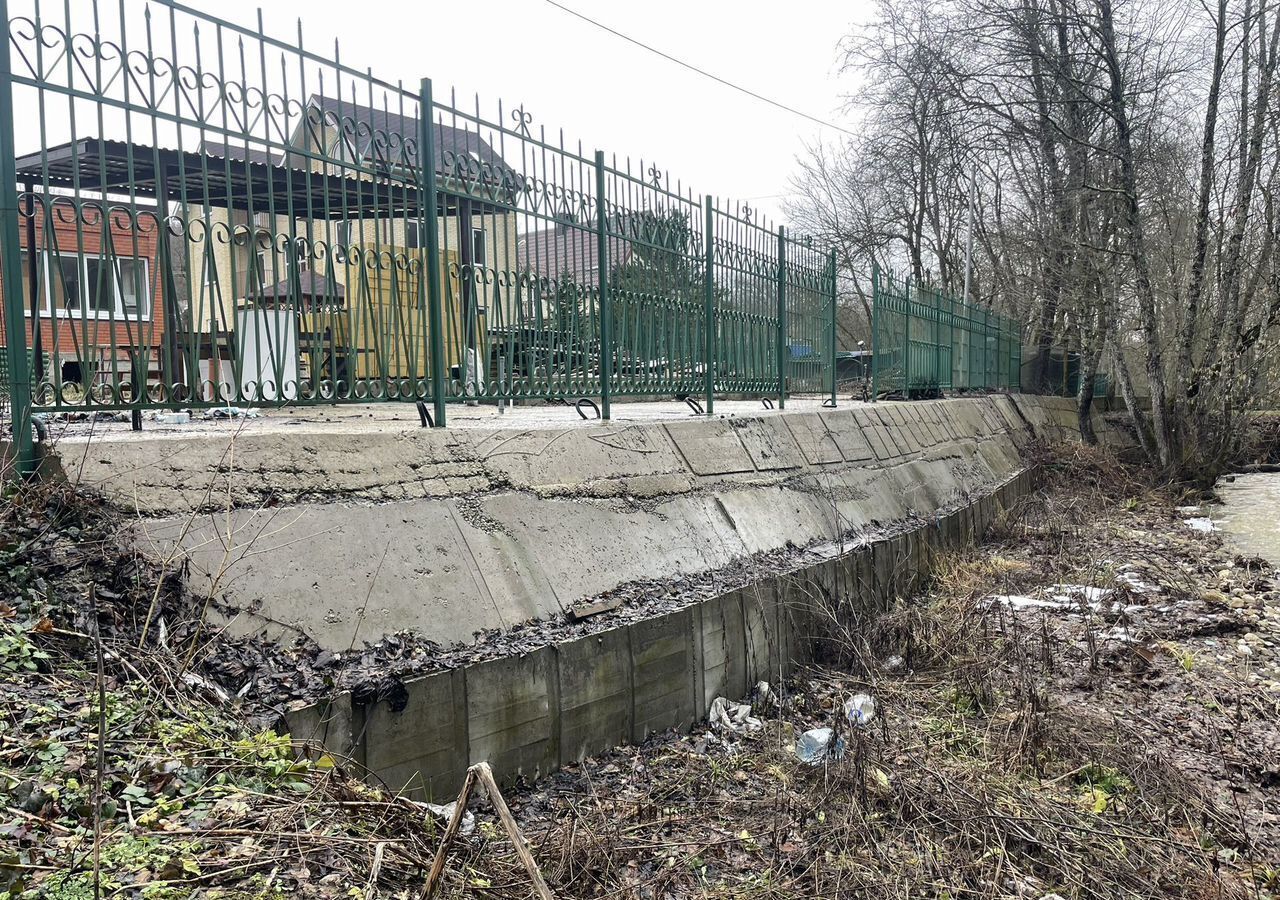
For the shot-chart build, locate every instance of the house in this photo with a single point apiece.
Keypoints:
(94, 311)
(369, 245)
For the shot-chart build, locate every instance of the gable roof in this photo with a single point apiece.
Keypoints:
(458, 151)
(567, 250)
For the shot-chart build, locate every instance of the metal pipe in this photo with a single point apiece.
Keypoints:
(606, 304)
(502, 385)
(11, 270)
(709, 306)
(429, 220)
(782, 317)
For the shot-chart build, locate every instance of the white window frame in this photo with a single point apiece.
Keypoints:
(481, 259)
(116, 313)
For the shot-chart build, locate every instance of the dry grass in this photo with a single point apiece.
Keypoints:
(1011, 758)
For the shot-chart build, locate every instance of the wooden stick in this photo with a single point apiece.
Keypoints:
(482, 772)
(371, 888)
(513, 832)
(450, 832)
(101, 760)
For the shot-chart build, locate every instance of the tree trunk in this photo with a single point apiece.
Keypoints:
(1134, 409)
(1084, 396)
(1161, 432)
(1201, 248)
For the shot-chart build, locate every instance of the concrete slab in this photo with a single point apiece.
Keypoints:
(762, 515)
(555, 460)
(662, 656)
(847, 435)
(331, 724)
(421, 763)
(814, 436)
(760, 615)
(595, 694)
(875, 433)
(710, 447)
(511, 714)
(585, 547)
(723, 648)
(316, 568)
(769, 443)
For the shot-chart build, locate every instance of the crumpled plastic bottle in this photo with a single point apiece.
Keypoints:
(817, 745)
(860, 709)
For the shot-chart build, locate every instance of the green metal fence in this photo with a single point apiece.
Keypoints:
(925, 341)
(210, 215)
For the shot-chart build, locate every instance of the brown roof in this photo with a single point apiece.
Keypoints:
(308, 285)
(568, 250)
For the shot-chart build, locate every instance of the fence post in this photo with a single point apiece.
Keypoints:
(951, 325)
(15, 325)
(606, 304)
(906, 342)
(430, 222)
(782, 318)
(709, 304)
(831, 264)
(875, 330)
(937, 337)
(986, 351)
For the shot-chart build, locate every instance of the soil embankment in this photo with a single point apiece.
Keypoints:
(1083, 706)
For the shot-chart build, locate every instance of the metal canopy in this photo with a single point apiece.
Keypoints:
(137, 170)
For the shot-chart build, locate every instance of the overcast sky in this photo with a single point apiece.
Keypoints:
(599, 88)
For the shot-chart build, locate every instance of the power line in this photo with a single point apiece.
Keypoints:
(703, 72)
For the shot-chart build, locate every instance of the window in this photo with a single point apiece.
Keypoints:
(344, 232)
(41, 300)
(91, 286)
(342, 153)
(258, 274)
(65, 282)
(100, 286)
(478, 255)
(133, 286)
(411, 240)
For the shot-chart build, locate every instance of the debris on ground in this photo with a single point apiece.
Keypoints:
(734, 717)
(819, 745)
(860, 709)
(1123, 745)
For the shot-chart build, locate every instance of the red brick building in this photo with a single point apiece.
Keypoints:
(98, 291)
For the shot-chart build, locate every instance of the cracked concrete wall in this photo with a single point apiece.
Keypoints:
(529, 714)
(351, 536)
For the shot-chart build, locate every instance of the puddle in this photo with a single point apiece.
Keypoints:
(1250, 514)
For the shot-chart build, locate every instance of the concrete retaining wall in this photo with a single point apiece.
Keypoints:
(349, 536)
(527, 715)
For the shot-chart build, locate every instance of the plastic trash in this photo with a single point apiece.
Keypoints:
(819, 745)
(231, 412)
(860, 709)
(445, 814)
(173, 418)
(764, 694)
(735, 717)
